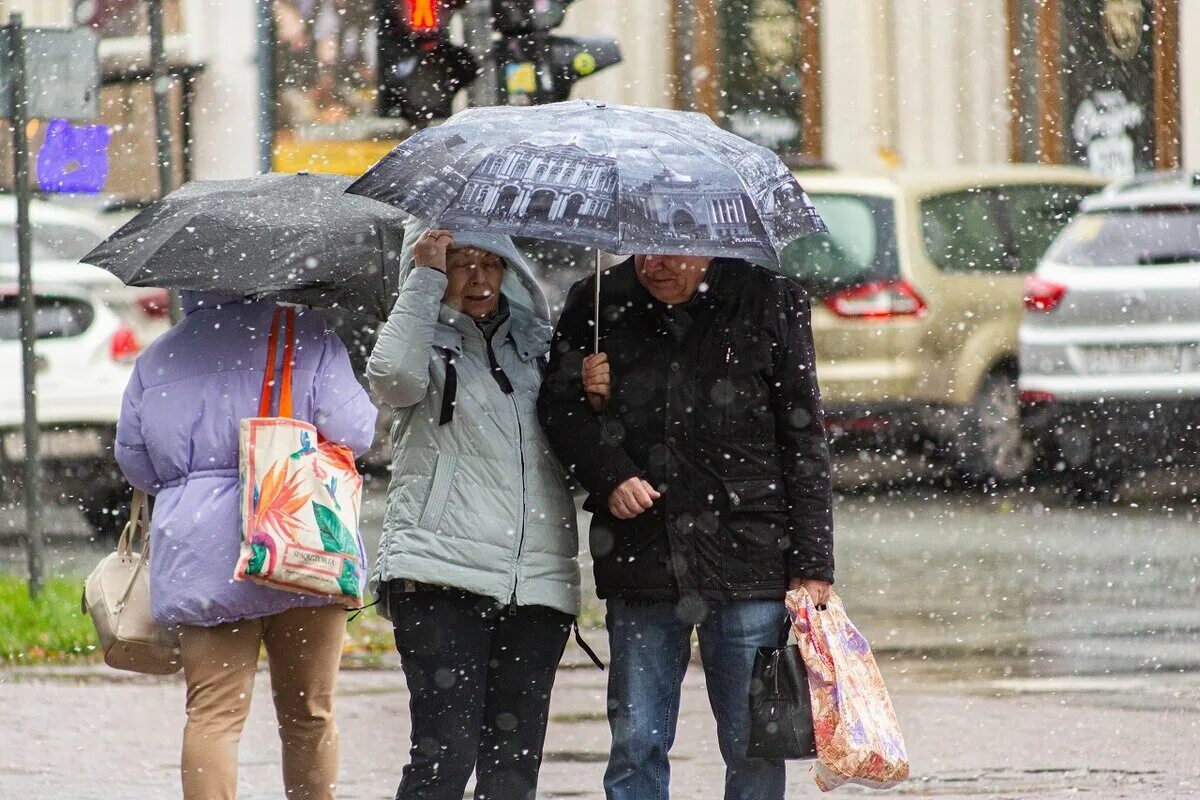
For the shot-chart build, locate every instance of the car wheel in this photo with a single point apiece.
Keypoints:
(107, 510)
(994, 447)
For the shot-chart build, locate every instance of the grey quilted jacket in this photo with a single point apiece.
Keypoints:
(478, 503)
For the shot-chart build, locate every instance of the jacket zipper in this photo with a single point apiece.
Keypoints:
(512, 604)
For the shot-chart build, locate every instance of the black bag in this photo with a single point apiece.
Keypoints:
(781, 720)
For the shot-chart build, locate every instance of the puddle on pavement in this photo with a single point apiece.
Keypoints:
(1005, 782)
(960, 585)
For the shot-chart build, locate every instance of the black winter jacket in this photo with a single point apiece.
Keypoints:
(715, 403)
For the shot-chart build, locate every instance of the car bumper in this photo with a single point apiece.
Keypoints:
(1132, 433)
(1104, 388)
(894, 423)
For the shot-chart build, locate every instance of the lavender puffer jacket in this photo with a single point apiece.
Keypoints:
(178, 439)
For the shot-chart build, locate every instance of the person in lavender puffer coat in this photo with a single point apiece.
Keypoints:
(177, 439)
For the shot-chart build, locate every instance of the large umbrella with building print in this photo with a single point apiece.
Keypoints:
(618, 178)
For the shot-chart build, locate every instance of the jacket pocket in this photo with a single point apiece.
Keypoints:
(439, 491)
(755, 496)
(754, 533)
(742, 392)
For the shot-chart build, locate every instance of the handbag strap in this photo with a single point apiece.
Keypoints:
(139, 516)
(786, 632)
(285, 383)
(450, 390)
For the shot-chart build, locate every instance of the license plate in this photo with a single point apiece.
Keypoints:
(60, 445)
(1141, 359)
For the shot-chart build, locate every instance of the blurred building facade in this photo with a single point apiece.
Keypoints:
(1112, 84)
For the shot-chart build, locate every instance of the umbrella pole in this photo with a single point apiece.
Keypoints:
(596, 307)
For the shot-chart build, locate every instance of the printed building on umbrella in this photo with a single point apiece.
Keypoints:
(787, 212)
(675, 207)
(541, 184)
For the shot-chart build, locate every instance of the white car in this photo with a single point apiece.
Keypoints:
(1110, 344)
(90, 329)
(61, 236)
(84, 356)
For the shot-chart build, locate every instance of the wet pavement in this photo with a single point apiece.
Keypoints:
(58, 739)
(1034, 649)
(1018, 585)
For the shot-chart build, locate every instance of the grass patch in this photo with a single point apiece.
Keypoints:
(48, 630)
(369, 641)
(52, 629)
(591, 615)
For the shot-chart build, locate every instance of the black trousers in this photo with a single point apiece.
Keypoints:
(479, 679)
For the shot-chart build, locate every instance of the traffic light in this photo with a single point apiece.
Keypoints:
(523, 16)
(536, 66)
(420, 69)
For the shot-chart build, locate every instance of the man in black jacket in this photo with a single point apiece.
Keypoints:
(698, 434)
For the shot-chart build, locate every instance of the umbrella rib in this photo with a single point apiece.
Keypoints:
(616, 189)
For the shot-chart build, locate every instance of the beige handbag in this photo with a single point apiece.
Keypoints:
(117, 595)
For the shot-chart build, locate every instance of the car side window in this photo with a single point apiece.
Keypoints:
(963, 232)
(1036, 214)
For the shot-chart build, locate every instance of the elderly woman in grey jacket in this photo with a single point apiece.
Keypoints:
(477, 566)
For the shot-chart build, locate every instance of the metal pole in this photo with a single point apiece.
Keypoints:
(477, 31)
(683, 16)
(596, 309)
(162, 118)
(20, 121)
(266, 84)
(162, 109)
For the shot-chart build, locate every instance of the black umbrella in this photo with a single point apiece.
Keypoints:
(297, 238)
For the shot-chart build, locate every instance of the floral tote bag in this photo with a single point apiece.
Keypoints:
(301, 495)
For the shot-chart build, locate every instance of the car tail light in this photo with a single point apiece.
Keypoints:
(878, 300)
(1041, 294)
(856, 424)
(1031, 397)
(155, 304)
(124, 345)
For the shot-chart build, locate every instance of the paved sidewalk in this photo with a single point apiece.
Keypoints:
(92, 733)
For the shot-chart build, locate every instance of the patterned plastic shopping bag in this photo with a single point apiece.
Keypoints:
(858, 736)
(300, 496)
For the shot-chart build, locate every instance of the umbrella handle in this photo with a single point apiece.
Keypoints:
(596, 307)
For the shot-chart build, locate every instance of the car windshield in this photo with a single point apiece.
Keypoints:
(1125, 237)
(860, 246)
(51, 242)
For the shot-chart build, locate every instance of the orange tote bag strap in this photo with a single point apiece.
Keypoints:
(264, 403)
(289, 346)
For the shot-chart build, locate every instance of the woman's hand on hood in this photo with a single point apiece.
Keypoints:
(430, 248)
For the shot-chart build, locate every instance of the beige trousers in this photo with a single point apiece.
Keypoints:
(304, 648)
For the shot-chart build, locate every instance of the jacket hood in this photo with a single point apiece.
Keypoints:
(528, 309)
(195, 301)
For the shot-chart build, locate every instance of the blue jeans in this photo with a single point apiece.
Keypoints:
(650, 650)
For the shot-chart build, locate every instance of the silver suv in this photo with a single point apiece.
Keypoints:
(1110, 344)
